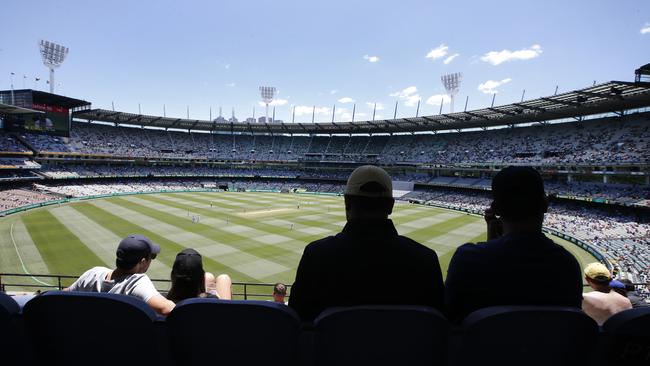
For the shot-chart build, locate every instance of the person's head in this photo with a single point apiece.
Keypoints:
(188, 276)
(279, 292)
(597, 276)
(629, 286)
(618, 286)
(518, 195)
(135, 253)
(369, 194)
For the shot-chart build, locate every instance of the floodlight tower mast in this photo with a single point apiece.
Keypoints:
(267, 92)
(53, 56)
(452, 85)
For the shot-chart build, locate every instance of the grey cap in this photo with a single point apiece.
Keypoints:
(369, 181)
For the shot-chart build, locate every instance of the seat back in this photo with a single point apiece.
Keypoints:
(233, 333)
(76, 328)
(381, 335)
(628, 337)
(12, 339)
(527, 335)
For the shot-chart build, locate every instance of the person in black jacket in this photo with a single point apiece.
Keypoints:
(368, 262)
(518, 265)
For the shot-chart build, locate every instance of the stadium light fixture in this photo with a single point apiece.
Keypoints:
(267, 93)
(452, 86)
(53, 56)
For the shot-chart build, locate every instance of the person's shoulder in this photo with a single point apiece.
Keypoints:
(414, 245)
(95, 271)
(322, 244)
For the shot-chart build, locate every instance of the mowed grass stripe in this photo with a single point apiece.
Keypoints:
(100, 241)
(169, 249)
(25, 248)
(257, 225)
(61, 249)
(283, 253)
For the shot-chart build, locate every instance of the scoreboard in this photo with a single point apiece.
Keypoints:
(56, 111)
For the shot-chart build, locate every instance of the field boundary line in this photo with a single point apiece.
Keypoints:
(11, 233)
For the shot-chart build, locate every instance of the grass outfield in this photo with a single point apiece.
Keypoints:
(254, 237)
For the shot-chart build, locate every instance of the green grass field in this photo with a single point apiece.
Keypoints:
(253, 237)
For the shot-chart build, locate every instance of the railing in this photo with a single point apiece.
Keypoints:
(20, 282)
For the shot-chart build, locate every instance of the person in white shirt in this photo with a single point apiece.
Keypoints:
(603, 302)
(133, 257)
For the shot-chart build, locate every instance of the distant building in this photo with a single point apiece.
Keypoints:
(233, 119)
(220, 119)
(250, 120)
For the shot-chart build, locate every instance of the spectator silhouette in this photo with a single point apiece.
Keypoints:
(632, 295)
(481, 275)
(603, 302)
(134, 255)
(368, 262)
(189, 280)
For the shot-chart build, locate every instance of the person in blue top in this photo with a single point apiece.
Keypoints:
(518, 265)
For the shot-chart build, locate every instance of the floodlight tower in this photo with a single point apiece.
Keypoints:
(53, 56)
(452, 85)
(267, 92)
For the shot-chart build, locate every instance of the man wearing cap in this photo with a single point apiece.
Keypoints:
(518, 265)
(603, 302)
(134, 255)
(368, 262)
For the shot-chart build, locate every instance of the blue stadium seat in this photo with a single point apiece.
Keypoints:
(80, 328)
(233, 333)
(12, 338)
(527, 335)
(381, 335)
(627, 337)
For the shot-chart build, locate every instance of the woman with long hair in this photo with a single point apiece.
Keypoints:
(189, 280)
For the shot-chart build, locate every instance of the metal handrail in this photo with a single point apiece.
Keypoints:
(60, 284)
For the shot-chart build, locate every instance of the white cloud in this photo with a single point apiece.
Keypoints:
(489, 87)
(371, 58)
(334, 91)
(499, 57)
(305, 110)
(451, 58)
(380, 107)
(646, 28)
(408, 95)
(227, 66)
(438, 52)
(231, 84)
(275, 102)
(438, 99)
(346, 100)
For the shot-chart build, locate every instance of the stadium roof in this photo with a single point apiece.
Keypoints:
(25, 98)
(614, 96)
(12, 109)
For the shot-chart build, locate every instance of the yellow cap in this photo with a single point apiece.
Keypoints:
(369, 181)
(597, 271)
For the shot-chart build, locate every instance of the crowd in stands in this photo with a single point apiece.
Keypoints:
(10, 143)
(12, 198)
(609, 140)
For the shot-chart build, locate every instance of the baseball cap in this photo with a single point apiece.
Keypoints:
(598, 272)
(133, 248)
(188, 263)
(369, 181)
(518, 192)
(616, 284)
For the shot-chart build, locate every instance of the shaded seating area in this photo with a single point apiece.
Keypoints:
(105, 329)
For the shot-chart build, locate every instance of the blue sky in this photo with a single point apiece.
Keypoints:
(320, 53)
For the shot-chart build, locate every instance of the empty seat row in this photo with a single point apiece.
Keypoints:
(106, 329)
